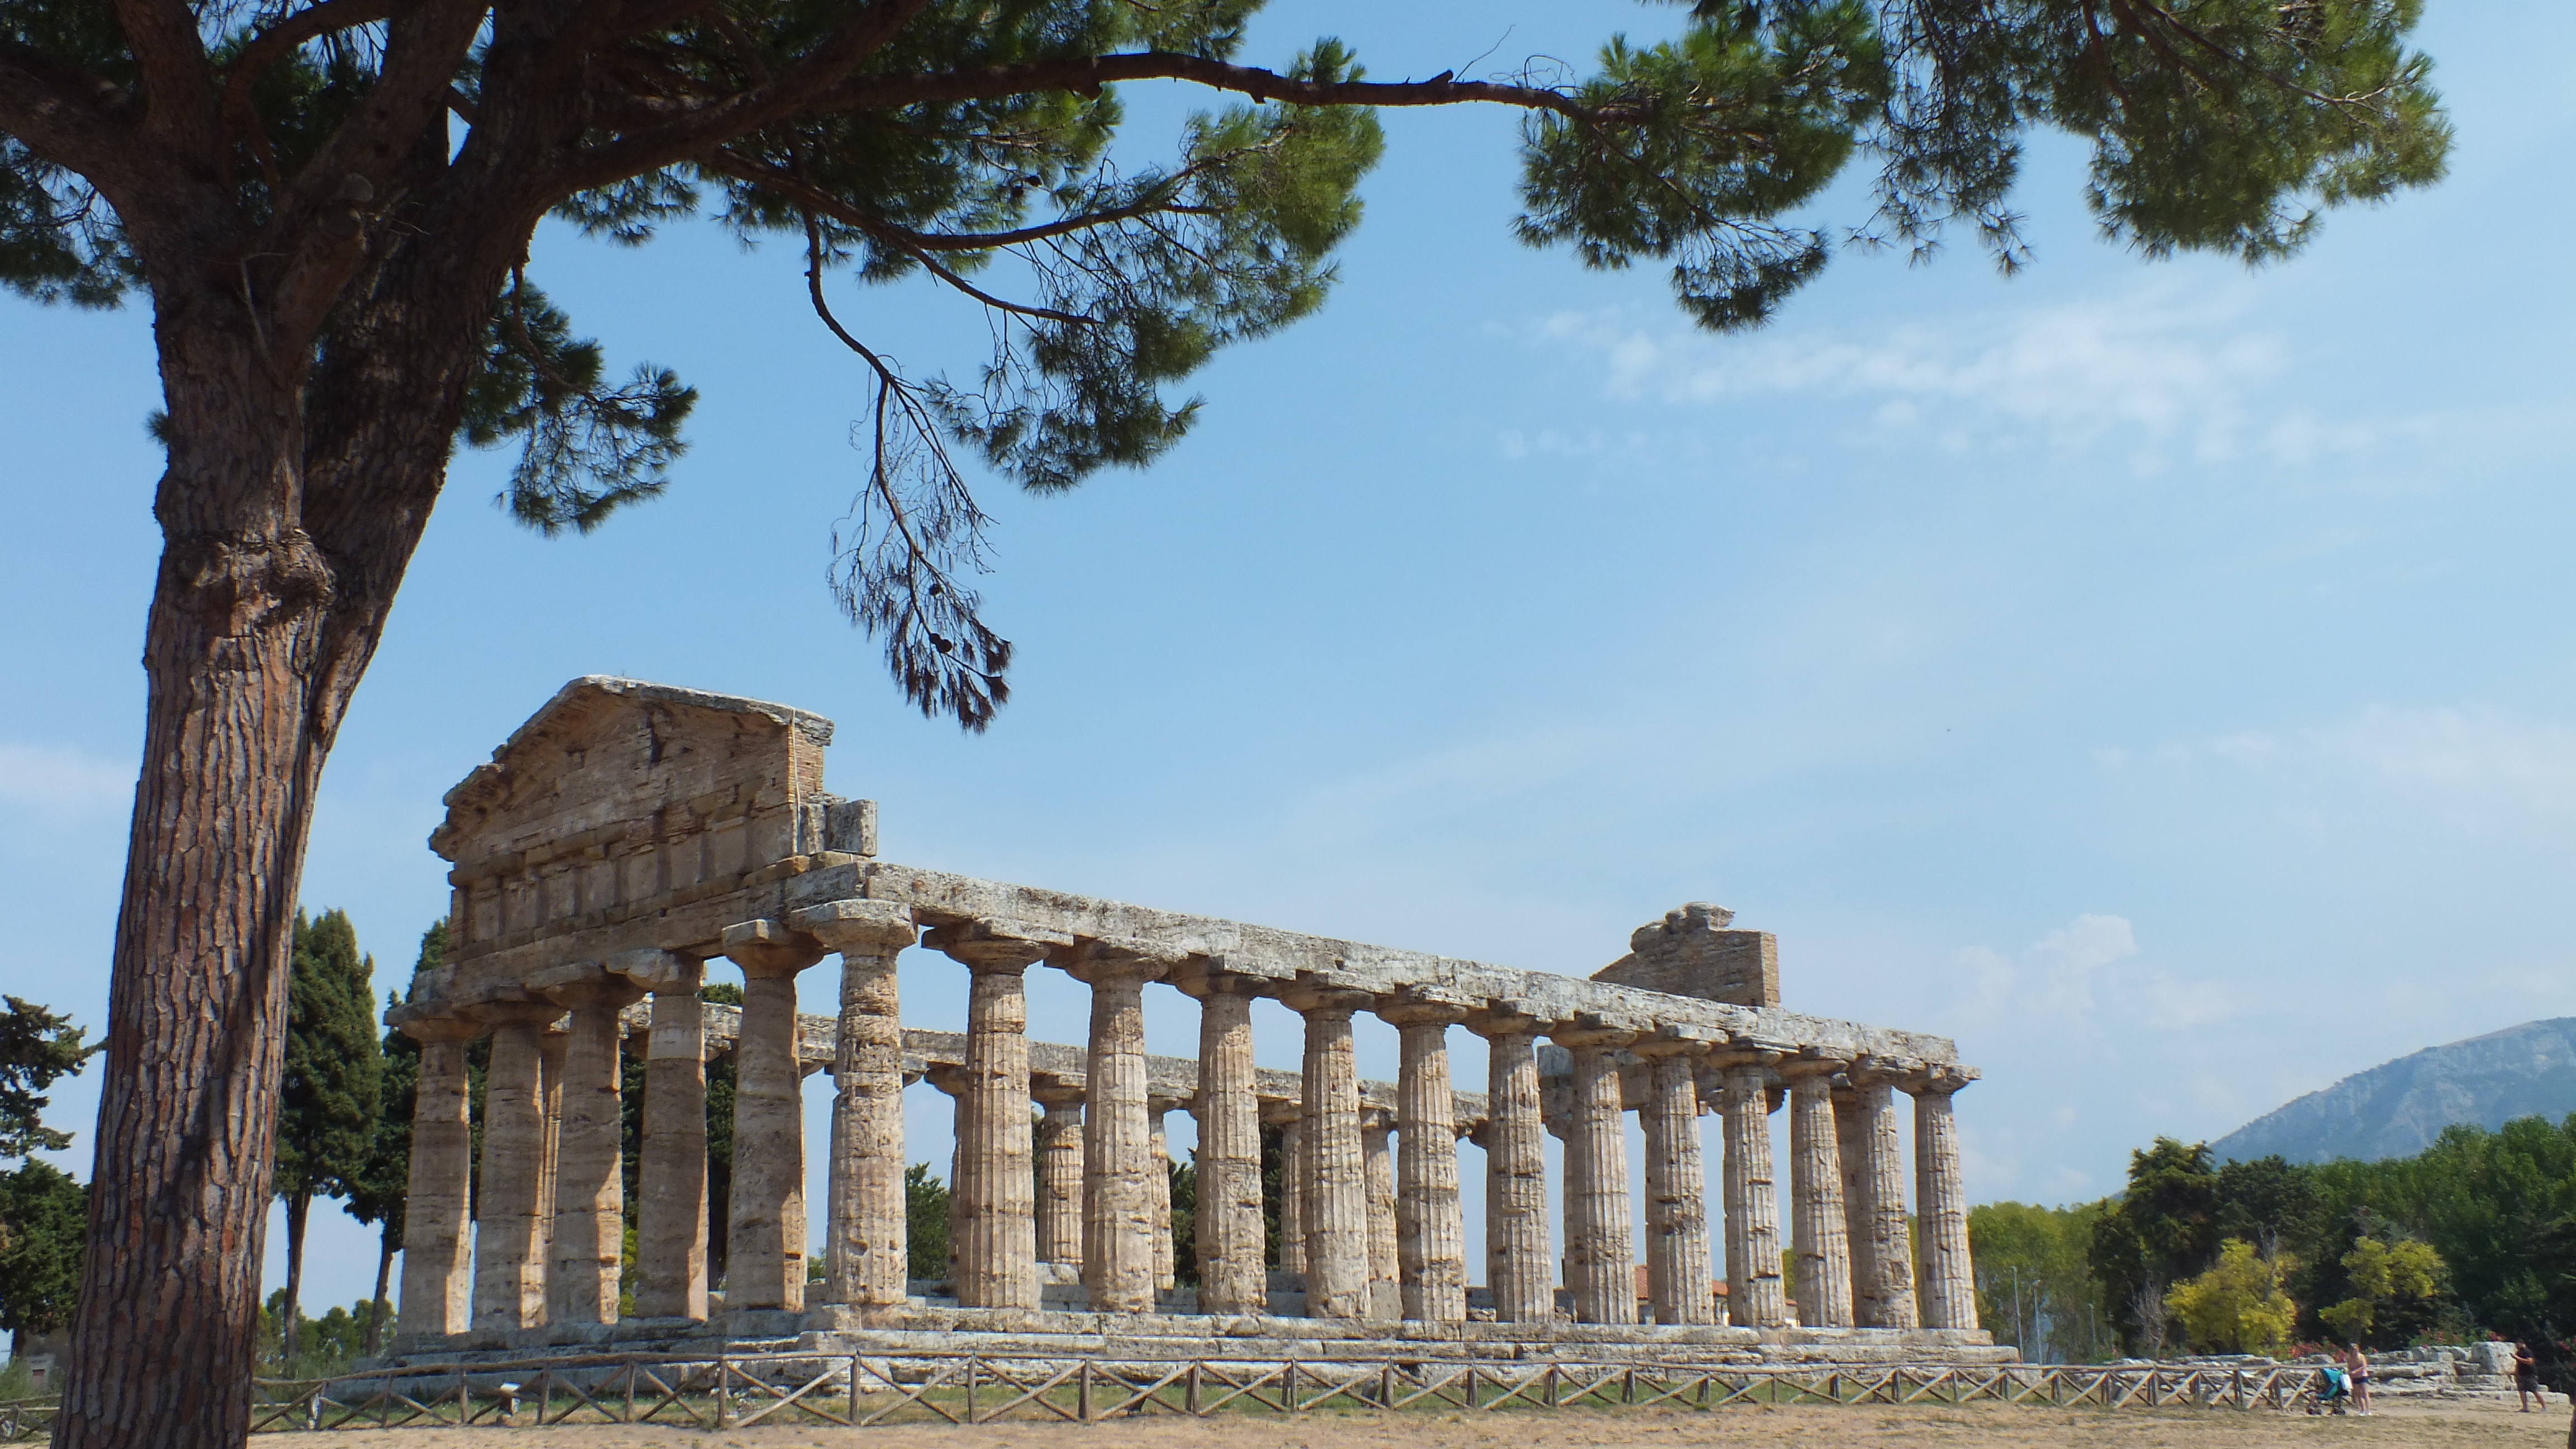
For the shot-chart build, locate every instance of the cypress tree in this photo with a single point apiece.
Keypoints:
(334, 1070)
(42, 1213)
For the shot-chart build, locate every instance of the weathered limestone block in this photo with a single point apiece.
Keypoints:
(1336, 1196)
(997, 1257)
(509, 1241)
(1677, 1264)
(866, 1240)
(1229, 1226)
(765, 1240)
(589, 1237)
(1941, 1199)
(1059, 1150)
(438, 1247)
(1817, 1232)
(1117, 1148)
(1882, 1248)
(1519, 1266)
(1431, 1236)
(1385, 1298)
(1600, 1276)
(1691, 953)
(1753, 1289)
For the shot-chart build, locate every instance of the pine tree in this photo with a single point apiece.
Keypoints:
(330, 204)
(334, 1071)
(37, 1048)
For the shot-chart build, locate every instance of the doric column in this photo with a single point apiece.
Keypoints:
(509, 1238)
(1229, 1226)
(1158, 1192)
(1817, 1229)
(1753, 1290)
(438, 1246)
(1600, 1271)
(765, 1233)
(1336, 1198)
(1517, 1261)
(1941, 1198)
(1431, 1234)
(865, 1241)
(1677, 1267)
(1290, 1119)
(588, 1243)
(1377, 1150)
(671, 1168)
(949, 1080)
(1874, 1178)
(1117, 1145)
(1059, 1150)
(997, 1257)
(552, 1044)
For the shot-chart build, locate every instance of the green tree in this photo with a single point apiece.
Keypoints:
(2035, 1285)
(1185, 1219)
(2387, 1279)
(2162, 1230)
(334, 1071)
(42, 1219)
(37, 1049)
(330, 203)
(925, 1218)
(2238, 1305)
(720, 1085)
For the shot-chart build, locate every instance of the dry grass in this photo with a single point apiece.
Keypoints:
(1977, 1426)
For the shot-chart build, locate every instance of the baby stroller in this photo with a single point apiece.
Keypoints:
(2332, 1393)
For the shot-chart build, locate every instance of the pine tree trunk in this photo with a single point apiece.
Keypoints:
(299, 1211)
(376, 1304)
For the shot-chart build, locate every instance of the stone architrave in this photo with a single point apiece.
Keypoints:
(1819, 1232)
(1229, 1224)
(765, 1238)
(1882, 1246)
(1949, 1285)
(866, 1241)
(997, 1254)
(438, 1243)
(1677, 1266)
(1290, 1119)
(1753, 1289)
(1600, 1276)
(1117, 1147)
(588, 1243)
(1518, 1264)
(1059, 1152)
(509, 1239)
(671, 1169)
(1431, 1234)
(1336, 1196)
(1158, 1192)
(1377, 1150)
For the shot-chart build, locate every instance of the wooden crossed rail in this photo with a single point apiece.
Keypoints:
(861, 1389)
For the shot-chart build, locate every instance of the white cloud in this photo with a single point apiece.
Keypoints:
(60, 781)
(2470, 757)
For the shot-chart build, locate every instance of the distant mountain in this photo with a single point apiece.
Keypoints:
(2397, 1108)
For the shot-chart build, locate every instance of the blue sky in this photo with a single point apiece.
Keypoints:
(2155, 676)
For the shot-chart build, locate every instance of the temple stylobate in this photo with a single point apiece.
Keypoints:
(630, 834)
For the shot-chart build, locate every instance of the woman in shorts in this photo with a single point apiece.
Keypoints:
(2356, 1366)
(2526, 1378)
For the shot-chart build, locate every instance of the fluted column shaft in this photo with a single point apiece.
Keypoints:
(509, 1262)
(1600, 1275)
(1851, 1130)
(950, 1082)
(1818, 1231)
(765, 1234)
(1292, 1193)
(438, 1247)
(1337, 1226)
(589, 1239)
(671, 1174)
(1158, 1195)
(1882, 1248)
(1941, 1198)
(1377, 1150)
(1117, 1145)
(1753, 1288)
(1677, 1276)
(866, 1238)
(997, 1257)
(1431, 1232)
(1229, 1225)
(1059, 1151)
(551, 1046)
(1517, 1261)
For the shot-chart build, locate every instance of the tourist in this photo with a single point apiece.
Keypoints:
(2526, 1378)
(2356, 1366)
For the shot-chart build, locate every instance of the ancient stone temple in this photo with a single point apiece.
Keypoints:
(631, 834)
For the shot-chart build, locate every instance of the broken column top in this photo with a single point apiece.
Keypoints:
(1691, 952)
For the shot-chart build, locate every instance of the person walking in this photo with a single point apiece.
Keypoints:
(2526, 1378)
(2356, 1367)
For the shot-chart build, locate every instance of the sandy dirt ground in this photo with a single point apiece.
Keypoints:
(1981, 1426)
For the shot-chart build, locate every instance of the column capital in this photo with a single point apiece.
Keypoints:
(1101, 960)
(1056, 1090)
(1939, 1079)
(1501, 1019)
(515, 1013)
(1415, 1007)
(769, 948)
(584, 983)
(1806, 1068)
(658, 970)
(1281, 1111)
(1737, 1056)
(1309, 998)
(1675, 1041)
(857, 927)
(435, 1028)
(1600, 1029)
(1377, 1119)
(1205, 976)
(946, 1077)
(994, 943)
